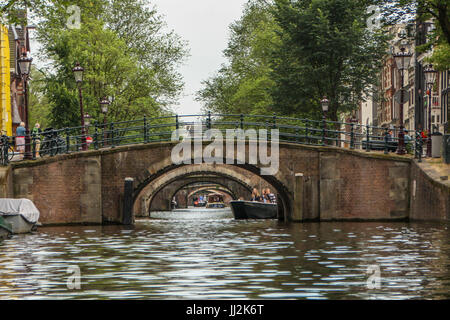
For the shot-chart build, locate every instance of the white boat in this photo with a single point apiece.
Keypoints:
(22, 214)
(5, 229)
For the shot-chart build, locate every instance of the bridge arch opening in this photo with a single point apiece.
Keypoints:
(185, 195)
(163, 185)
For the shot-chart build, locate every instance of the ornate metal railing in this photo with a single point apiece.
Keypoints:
(158, 129)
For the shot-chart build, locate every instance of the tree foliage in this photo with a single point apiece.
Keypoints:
(327, 50)
(425, 10)
(126, 55)
(242, 85)
(284, 56)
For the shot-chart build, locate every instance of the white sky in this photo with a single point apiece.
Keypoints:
(204, 24)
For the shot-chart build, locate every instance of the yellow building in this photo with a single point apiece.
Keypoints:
(5, 85)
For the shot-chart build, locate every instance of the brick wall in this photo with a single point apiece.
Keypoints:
(430, 200)
(338, 184)
(363, 188)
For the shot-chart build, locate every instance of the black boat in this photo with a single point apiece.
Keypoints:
(253, 210)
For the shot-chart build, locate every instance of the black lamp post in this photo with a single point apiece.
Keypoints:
(402, 60)
(78, 73)
(24, 66)
(325, 103)
(430, 78)
(104, 104)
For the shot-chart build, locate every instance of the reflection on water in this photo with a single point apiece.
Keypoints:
(224, 258)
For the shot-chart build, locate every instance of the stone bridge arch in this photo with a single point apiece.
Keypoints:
(175, 176)
(210, 189)
(88, 187)
(147, 201)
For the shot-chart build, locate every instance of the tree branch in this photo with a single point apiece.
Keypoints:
(6, 7)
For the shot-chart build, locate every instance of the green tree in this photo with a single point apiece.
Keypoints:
(39, 107)
(242, 85)
(425, 10)
(327, 50)
(125, 56)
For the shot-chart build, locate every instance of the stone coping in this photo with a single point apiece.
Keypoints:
(153, 145)
(434, 169)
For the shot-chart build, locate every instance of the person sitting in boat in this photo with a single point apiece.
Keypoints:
(264, 197)
(270, 196)
(256, 196)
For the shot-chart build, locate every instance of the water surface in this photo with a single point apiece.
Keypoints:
(210, 258)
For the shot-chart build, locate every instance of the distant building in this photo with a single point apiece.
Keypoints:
(444, 84)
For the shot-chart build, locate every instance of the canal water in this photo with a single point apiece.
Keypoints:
(206, 256)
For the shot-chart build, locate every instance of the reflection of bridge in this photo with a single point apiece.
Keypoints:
(313, 181)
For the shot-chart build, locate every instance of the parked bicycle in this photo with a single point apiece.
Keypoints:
(6, 150)
(52, 144)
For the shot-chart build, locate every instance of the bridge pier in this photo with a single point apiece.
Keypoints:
(127, 217)
(299, 198)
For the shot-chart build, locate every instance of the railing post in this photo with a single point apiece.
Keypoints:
(113, 141)
(52, 143)
(208, 121)
(297, 135)
(419, 146)
(307, 132)
(352, 136)
(367, 138)
(324, 134)
(145, 130)
(34, 146)
(96, 136)
(177, 125)
(116, 137)
(386, 139)
(67, 140)
(242, 121)
(274, 120)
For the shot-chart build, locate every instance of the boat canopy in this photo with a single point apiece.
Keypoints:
(24, 207)
(215, 197)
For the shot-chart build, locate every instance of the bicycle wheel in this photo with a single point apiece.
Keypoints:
(10, 153)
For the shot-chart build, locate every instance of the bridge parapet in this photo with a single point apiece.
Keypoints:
(339, 183)
(160, 129)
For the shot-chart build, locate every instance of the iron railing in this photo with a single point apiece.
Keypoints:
(158, 129)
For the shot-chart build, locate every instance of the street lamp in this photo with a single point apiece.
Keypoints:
(325, 104)
(25, 66)
(104, 104)
(430, 78)
(78, 74)
(87, 119)
(402, 60)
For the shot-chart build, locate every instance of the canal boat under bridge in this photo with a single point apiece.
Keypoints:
(253, 210)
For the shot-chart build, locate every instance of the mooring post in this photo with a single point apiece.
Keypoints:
(128, 202)
(297, 213)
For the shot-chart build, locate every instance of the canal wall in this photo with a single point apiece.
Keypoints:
(314, 183)
(430, 195)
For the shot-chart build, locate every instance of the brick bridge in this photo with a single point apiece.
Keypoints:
(313, 183)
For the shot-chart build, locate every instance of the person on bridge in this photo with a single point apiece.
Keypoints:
(36, 133)
(20, 138)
